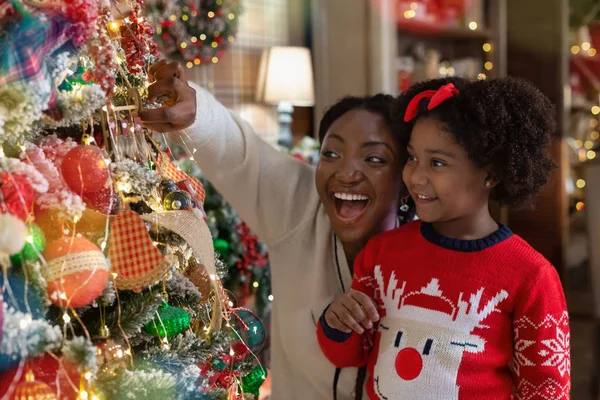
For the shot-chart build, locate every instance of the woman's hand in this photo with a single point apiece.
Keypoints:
(178, 111)
(352, 311)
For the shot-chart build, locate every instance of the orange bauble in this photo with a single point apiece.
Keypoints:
(84, 169)
(76, 272)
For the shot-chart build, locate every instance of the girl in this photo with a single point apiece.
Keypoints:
(465, 308)
(314, 222)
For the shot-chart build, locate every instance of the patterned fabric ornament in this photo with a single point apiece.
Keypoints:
(171, 171)
(249, 328)
(132, 253)
(34, 246)
(170, 321)
(252, 382)
(33, 390)
(16, 194)
(76, 272)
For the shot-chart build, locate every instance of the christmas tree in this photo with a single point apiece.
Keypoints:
(111, 288)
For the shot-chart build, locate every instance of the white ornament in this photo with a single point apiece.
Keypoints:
(13, 233)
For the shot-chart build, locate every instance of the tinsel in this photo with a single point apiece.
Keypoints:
(136, 311)
(81, 352)
(24, 337)
(80, 103)
(131, 177)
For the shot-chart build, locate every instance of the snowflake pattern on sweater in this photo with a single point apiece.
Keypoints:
(465, 320)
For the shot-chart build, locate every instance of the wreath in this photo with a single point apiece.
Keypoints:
(196, 32)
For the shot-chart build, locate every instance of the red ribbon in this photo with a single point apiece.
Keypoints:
(436, 97)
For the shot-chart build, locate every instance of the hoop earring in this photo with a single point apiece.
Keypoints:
(404, 204)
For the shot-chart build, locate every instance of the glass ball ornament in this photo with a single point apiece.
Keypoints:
(249, 328)
(221, 247)
(34, 246)
(85, 170)
(33, 390)
(170, 321)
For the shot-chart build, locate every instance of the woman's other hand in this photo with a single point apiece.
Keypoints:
(178, 110)
(352, 311)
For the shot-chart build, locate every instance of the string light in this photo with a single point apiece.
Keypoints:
(270, 297)
(66, 318)
(413, 6)
(63, 296)
(487, 47)
(113, 26)
(194, 39)
(588, 144)
(173, 18)
(94, 397)
(575, 49)
(578, 144)
(197, 61)
(231, 16)
(184, 17)
(83, 395)
(30, 239)
(1, 152)
(183, 45)
(593, 123)
(114, 275)
(211, 14)
(481, 76)
(595, 110)
(88, 376)
(472, 25)
(202, 36)
(255, 284)
(231, 352)
(488, 65)
(580, 183)
(215, 60)
(189, 64)
(214, 45)
(409, 14)
(585, 46)
(591, 155)
(230, 39)
(579, 206)
(591, 52)
(595, 135)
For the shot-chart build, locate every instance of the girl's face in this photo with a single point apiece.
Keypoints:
(359, 176)
(444, 183)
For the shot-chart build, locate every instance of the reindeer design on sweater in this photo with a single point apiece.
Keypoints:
(423, 338)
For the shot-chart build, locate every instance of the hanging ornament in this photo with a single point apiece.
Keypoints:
(170, 321)
(33, 390)
(34, 246)
(197, 275)
(13, 235)
(173, 198)
(76, 272)
(133, 255)
(252, 382)
(170, 171)
(221, 247)
(104, 201)
(248, 328)
(110, 356)
(16, 195)
(84, 169)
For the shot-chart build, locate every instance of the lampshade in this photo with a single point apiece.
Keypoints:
(286, 75)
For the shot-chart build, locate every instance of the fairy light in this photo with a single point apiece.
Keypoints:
(216, 34)
(1, 152)
(230, 39)
(76, 218)
(127, 352)
(25, 322)
(588, 144)
(487, 47)
(194, 39)
(585, 46)
(270, 297)
(593, 123)
(94, 397)
(488, 65)
(595, 110)
(577, 144)
(202, 36)
(113, 26)
(22, 147)
(173, 18)
(481, 77)
(212, 277)
(409, 14)
(231, 352)
(155, 243)
(83, 395)
(215, 60)
(30, 239)
(66, 318)
(595, 135)
(580, 183)
(119, 353)
(63, 296)
(591, 155)
(575, 49)
(214, 45)
(114, 275)
(195, 150)
(184, 17)
(211, 14)
(591, 52)
(183, 45)
(88, 376)
(472, 25)
(231, 16)
(197, 61)
(579, 206)
(413, 6)
(255, 284)
(189, 64)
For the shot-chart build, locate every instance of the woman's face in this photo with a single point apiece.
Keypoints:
(359, 176)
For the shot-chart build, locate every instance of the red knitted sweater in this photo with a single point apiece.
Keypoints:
(460, 319)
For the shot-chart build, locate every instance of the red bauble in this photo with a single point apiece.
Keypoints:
(85, 170)
(104, 201)
(46, 369)
(17, 195)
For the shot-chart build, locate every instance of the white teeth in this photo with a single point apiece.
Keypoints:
(423, 197)
(349, 196)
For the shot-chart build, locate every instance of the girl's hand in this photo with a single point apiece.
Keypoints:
(179, 110)
(352, 311)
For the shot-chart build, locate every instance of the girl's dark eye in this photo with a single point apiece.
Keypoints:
(412, 158)
(376, 160)
(437, 163)
(329, 154)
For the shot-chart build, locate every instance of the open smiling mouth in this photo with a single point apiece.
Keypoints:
(349, 207)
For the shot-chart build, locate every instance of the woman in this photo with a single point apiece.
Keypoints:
(313, 222)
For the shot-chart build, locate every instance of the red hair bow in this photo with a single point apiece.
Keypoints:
(436, 97)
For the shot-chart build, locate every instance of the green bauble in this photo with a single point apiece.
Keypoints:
(37, 241)
(249, 328)
(172, 322)
(221, 247)
(252, 382)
